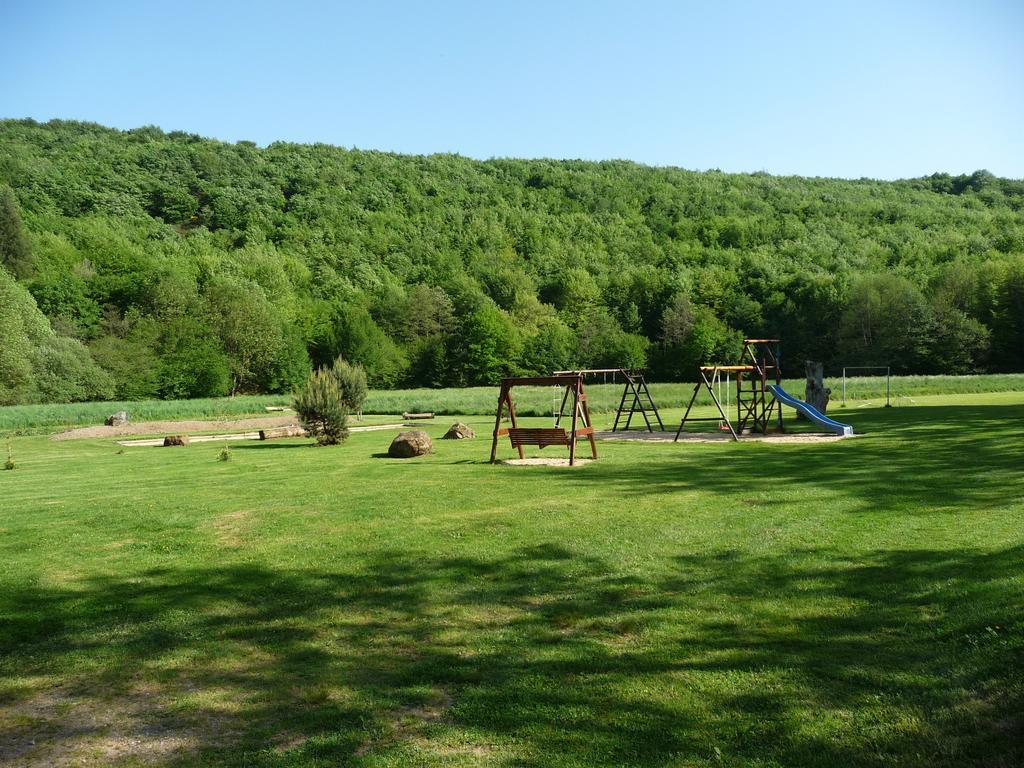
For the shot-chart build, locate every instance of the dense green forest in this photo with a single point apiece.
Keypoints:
(142, 264)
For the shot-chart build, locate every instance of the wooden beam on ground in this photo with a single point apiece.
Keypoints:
(277, 432)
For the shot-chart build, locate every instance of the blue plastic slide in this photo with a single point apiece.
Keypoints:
(810, 411)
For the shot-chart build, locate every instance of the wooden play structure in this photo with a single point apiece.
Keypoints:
(756, 406)
(543, 437)
(636, 397)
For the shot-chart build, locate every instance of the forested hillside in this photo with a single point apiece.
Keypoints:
(144, 263)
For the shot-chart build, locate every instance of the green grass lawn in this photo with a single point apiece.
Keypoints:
(855, 603)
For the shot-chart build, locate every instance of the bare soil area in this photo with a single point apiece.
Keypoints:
(717, 437)
(539, 462)
(176, 427)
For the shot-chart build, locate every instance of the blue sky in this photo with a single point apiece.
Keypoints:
(882, 89)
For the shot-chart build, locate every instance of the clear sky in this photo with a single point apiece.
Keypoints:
(860, 88)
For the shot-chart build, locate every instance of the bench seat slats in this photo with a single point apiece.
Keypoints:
(541, 437)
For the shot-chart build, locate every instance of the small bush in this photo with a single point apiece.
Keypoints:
(321, 409)
(225, 454)
(9, 464)
(351, 381)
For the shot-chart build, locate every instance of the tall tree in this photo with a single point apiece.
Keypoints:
(15, 251)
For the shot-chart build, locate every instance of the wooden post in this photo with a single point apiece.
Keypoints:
(512, 417)
(575, 420)
(497, 423)
(693, 397)
(739, 399)
(586, 420)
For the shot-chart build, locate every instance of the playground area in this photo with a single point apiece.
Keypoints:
(759, 400)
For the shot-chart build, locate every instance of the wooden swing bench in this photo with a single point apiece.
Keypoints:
(542, 437)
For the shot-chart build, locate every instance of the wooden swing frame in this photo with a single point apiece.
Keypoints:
(543, 437)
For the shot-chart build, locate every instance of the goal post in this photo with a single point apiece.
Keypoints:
(886, 368)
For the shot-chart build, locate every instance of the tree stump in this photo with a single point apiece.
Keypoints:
(815, 391)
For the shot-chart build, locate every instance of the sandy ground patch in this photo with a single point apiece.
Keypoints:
(244, 429)
(159, 441)
(716, 437)
(539, 462)
(176, 427)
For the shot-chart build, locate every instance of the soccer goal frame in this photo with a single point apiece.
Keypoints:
(886, 368)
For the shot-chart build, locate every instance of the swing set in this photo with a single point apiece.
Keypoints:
(756, 407)
(543, 437)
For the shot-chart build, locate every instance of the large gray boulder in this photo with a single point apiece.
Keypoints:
(459, 431)
(118, 419)
(415, 442)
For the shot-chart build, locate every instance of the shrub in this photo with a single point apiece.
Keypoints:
(225, 454)
(351, 380)
(199, 369)
(66, 373)
(9, 464)
(321, 408)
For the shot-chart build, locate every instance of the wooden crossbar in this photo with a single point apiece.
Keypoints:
(539, 381)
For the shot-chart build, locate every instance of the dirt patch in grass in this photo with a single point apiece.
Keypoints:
(176, 427)
(405, 723)
(231, 528)
(63, 727)
(717, 437)
(539, 462)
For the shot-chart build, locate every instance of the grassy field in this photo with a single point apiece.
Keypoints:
(530, 401)
(856, 603)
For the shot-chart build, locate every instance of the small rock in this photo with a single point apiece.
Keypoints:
(175, 440)
(415, 442)
(459, 431)
(118, 419)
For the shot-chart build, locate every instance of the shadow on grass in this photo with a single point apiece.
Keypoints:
(914, 459)
(909, 658)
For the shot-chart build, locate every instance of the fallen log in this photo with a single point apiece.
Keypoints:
(289, 431)
(417, 415)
